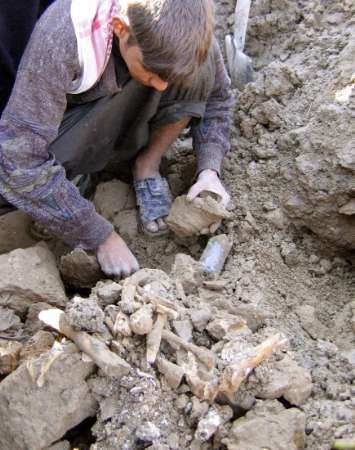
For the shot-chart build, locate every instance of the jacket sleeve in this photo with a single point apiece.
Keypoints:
(211, 137)
(30, 177)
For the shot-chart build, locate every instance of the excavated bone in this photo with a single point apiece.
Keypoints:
(121, 325)
(190, 218)
(172, 373)
(204, 385)
(204, 355)
(156, 300)
(141, 322)
(154, 338)
(234, 375)
(110, 363)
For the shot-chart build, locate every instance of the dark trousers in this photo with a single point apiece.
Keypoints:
(17, 20)
(114, 129)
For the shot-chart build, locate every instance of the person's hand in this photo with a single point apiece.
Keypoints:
(208, 181)
(115, 258)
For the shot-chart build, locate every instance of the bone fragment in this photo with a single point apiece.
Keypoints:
(172, 373)
(128, 304)
(234, 375)
(154, 338)
(121, 325)
(157, 300)
(141, 322)
(204, 355)
(110, 363)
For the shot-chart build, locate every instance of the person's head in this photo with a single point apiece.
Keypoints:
(165, 41)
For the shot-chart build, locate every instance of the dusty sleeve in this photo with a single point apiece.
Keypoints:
(211, 137)
(30, 177)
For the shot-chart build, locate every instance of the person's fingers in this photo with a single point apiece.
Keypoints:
(161, 224)
(205, 231)
(194, 191)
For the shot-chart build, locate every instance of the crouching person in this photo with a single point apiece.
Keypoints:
(112, 79)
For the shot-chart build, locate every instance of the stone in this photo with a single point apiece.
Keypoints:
(8, 320)
(33, 324)
(183, 329)
(38, 344)
(310, 322)
(227, 326)
(108, 292)
(113, 197)
(29, 276)
(266, 428)
(190, 218)
(42, 400)
(147, 433)
(9, 356)
(126, 224)
(254, 315)
(80, 270)
(208, 425)
(14, 231)
(288, 380)
(188, 272)
(85, 314)
(62, 445)
(200, 318)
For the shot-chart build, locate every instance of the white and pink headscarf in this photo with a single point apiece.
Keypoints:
(92, 20)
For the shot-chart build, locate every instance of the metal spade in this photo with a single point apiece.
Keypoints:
(239, 64)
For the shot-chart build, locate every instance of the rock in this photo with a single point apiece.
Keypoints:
(310, 322)
(29, 276)
(9, 356)
(227, 326)
(33, 324)
(208, 425)
(8, 320)
(40, 343)
(353, 316)
(62, 445)
(147, 433)
(183, 329)
(85, 314)
(14, 232)
(190, 218)
(108, 292)
(141, 322)
(80, 270)
(113, 197)
(41, 401)
(287, 379)
(126, 224)
(200, 318)
(266, 428)
(188, 272)
(254, 315)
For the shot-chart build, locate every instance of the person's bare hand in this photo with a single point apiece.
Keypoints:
(209, 181)
(115, 258)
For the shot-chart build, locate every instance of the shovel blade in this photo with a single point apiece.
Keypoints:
(239, 64)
